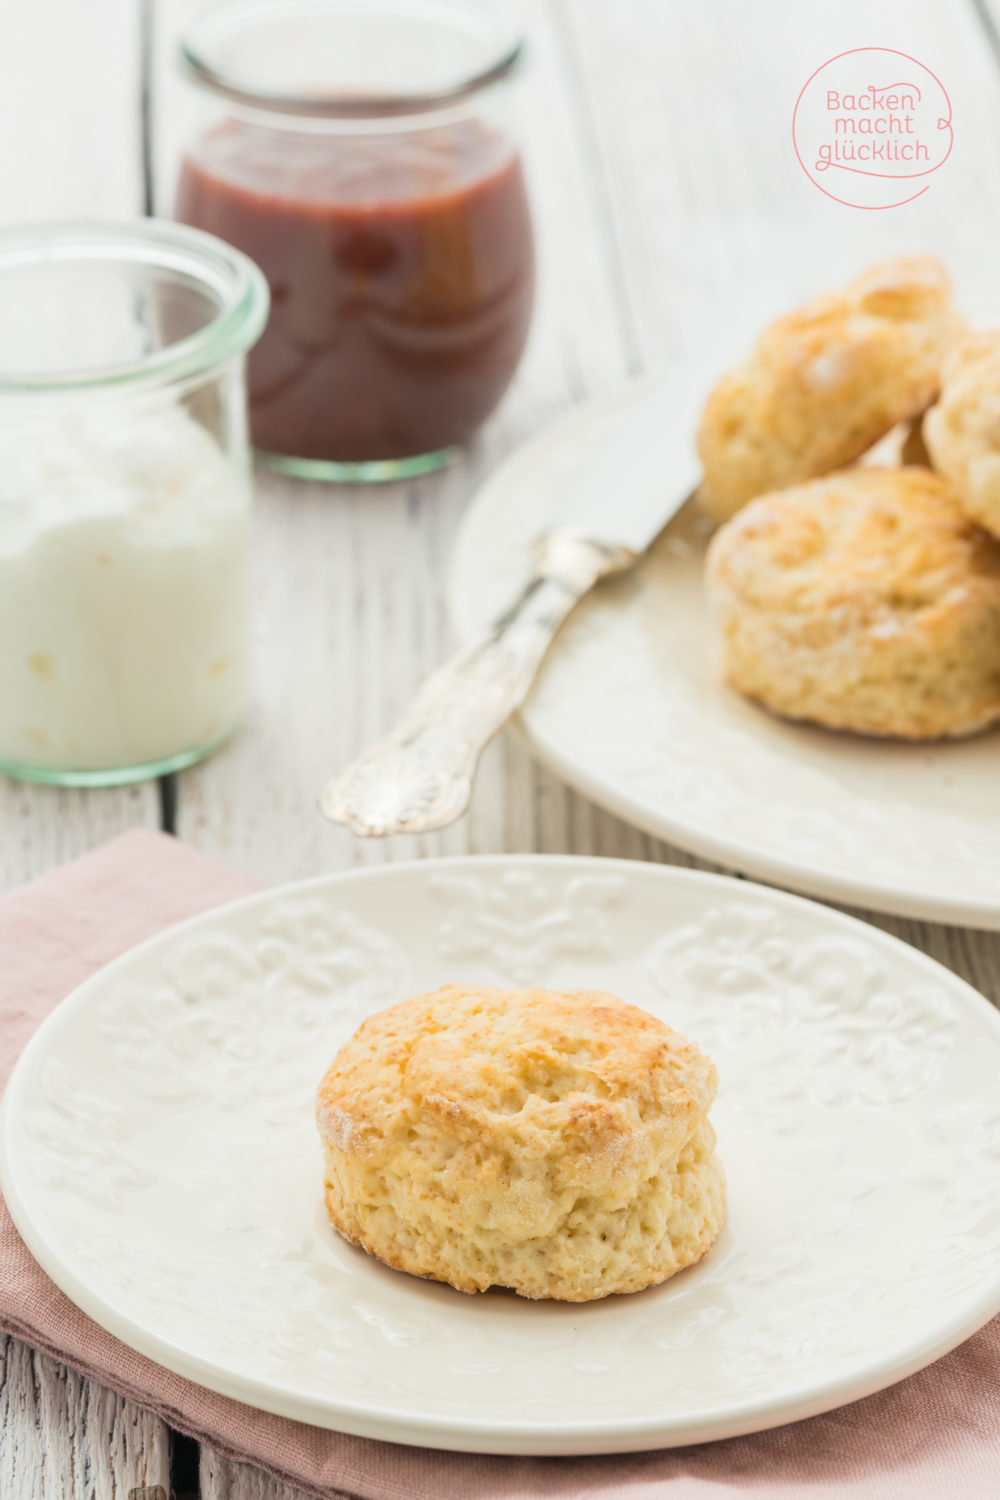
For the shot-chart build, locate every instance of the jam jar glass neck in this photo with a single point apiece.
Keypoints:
(362, 153)
(352, 60)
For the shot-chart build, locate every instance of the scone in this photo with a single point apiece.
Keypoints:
(962, 431)
(556, 1143)
(826, 382)
(867, 601)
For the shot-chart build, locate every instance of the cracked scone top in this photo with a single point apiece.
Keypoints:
(554, 1142)
(827, 381)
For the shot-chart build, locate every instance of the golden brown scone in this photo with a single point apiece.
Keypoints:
(866, 601)
(826, 382)
(962, 431)
(556, 1143)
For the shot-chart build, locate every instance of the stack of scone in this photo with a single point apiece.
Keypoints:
(861, 598)
(556, 1143)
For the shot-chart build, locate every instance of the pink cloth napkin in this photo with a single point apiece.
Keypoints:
(936, 1434)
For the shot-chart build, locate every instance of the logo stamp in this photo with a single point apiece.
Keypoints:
(871, 126)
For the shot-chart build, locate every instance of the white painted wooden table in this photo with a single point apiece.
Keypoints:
(658, 138)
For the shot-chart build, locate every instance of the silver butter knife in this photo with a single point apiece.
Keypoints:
(420, 776)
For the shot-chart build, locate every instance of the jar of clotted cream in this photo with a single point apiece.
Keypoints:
(124, 497)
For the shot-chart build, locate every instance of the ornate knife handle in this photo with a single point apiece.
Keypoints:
(420, 776)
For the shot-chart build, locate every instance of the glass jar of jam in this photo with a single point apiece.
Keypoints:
(360, 151)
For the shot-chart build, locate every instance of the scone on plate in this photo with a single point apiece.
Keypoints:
(554, 1142)
(826, 382)
(866, 601)
(962, 432)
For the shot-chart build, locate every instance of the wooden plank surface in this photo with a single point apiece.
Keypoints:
(222, 1480)
(69, 110)
(63, 1436)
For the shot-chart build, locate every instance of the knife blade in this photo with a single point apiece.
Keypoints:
(644, 473)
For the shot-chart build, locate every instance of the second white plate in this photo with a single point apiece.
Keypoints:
(160, 1158)
(630, 709)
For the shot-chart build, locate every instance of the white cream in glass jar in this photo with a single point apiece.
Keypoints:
(124, 498)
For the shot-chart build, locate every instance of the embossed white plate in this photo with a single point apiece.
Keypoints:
(160, 1158)
(630, 708)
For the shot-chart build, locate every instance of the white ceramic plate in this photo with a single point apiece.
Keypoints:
(160, 1158)
(630, 708)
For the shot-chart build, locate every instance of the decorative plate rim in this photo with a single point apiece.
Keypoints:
(470, 1434)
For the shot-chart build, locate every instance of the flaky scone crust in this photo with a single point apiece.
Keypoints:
(866, 601)
(962, 432)
(553, 1142)
(826, 382)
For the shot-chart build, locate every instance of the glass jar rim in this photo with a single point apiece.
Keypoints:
(214, 26)
(231, 278)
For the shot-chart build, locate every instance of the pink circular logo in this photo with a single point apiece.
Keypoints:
(870, 126)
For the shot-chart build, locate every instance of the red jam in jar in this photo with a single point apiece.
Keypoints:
(361, 152)
(401, 271)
